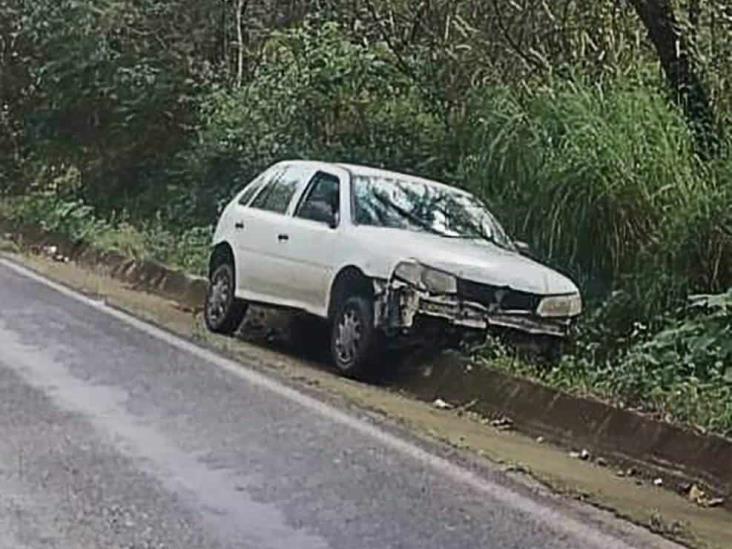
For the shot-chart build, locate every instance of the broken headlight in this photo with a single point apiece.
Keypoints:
(426, 278)
(560, 306)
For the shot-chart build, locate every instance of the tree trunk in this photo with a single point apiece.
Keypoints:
(239, 43)
(681, 71)
(223, 37)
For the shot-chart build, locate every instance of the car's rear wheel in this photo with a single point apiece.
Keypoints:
(223, 312)
(356, 344)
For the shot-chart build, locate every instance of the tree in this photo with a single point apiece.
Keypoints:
(680, 67)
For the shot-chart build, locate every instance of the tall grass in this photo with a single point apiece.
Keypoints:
(605, 182)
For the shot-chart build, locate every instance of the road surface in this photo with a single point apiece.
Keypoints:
(116, 434)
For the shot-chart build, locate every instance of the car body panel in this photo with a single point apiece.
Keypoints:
(313, 249)
(475, 260)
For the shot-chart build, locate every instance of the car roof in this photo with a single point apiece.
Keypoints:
(369, 171)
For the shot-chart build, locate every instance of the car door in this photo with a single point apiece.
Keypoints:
(236, 218)
(263, 239)
(315, 239)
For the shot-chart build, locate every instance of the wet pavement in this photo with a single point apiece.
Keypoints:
(114, 433)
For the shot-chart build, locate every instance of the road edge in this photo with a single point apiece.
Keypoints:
(663, 450)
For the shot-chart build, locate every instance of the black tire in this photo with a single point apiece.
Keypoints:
(355, 343)
(223, 312)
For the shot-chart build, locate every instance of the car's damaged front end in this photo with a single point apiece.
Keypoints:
(415, 292)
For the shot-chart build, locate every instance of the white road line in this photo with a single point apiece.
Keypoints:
(562, 524)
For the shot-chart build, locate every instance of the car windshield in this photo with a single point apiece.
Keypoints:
(384, 201)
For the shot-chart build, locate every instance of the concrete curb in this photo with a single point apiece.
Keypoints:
(186, 290)
(668, 451)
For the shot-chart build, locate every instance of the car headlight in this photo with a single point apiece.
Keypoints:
(409, 272)
(426, 278)
(439, 282)
(560, 306)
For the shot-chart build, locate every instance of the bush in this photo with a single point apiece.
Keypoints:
(316, 95)
(697, 346)
(683, 370)
(679, 368)
(187, 249)
(72, 218)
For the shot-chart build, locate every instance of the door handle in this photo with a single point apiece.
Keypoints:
(283, 237)
(239, 225)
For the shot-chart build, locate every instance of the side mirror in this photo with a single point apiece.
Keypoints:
(523, 248)
(334, 220)
(334, 202)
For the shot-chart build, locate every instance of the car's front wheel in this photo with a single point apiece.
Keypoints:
(223, 312)
(356, 344)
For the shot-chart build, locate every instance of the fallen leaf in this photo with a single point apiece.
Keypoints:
(467, 406)
(502, 423)
(715, 502)
(441, 404)
(516, 468)
(700, 497)
(696, 494)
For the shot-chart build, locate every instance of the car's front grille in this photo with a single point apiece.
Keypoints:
(497, 298)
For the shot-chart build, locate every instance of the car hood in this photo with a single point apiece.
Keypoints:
(476, 260)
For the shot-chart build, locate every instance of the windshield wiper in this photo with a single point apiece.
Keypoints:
(479, 236)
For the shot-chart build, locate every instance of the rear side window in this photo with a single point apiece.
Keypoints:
(253, 187)
(278, 193)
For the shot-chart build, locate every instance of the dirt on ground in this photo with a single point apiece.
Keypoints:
(572, 472)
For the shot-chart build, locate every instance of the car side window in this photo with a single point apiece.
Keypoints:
(253, 187)
(322, 200)
(278, 193)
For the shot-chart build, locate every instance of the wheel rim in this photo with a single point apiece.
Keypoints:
(348, 337)
(218, 297)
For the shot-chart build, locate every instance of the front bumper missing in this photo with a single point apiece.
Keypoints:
(399, 305)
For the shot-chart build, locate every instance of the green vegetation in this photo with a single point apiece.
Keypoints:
(73, 218)
(680, 370)
(129, 124)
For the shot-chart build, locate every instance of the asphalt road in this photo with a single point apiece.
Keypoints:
(116, 434)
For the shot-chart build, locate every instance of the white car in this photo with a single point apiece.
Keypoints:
(378, 254)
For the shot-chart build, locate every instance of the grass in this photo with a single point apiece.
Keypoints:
(604, 182)
(186, 249)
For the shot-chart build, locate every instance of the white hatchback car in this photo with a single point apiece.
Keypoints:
(378, 254)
